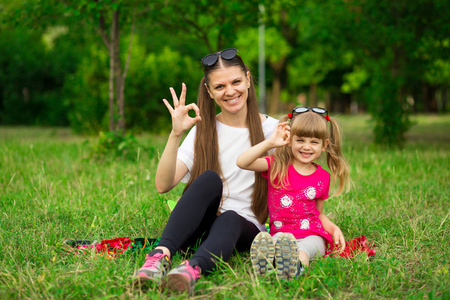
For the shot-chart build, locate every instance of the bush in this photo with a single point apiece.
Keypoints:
(115, 145)
(389, 110)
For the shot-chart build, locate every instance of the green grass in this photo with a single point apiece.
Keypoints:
(50, 193)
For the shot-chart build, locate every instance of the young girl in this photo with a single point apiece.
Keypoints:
(297, 190)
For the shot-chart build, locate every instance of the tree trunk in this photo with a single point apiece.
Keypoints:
(312, 95)
(429, 97)
(327, 100)
(275, 98)
(444, 99)
(112, 125)
(123, 76)
(347, 101)
(416, 95)
(118, 72)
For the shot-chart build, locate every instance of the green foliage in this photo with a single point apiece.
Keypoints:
(390, 111)
(276, 48)
(390, 44)
(31, 79)
(148, 81)
(214, 24)
(439, 72)
(311, 66)
(87, 92)
(151, 75)
(354, 80)
(54, 65)
(114, 145)
(37, 54)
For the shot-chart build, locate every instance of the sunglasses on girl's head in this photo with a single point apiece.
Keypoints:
(317, 110)
(212, 58)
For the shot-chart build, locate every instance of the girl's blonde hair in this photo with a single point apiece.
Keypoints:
(206, 147)
(313, 125)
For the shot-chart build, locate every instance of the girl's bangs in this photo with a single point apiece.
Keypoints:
(309, 124)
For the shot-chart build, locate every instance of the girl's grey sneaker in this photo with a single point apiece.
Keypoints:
(182, 278)
(262, 253)
(286, 256)
(155, 267)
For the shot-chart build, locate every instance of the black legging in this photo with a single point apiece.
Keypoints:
(195, 219)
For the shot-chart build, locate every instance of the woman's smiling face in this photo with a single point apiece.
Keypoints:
(229, 88)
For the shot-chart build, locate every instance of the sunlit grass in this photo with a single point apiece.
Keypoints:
(50, 193)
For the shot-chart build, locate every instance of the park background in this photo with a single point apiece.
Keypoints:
(82, 125)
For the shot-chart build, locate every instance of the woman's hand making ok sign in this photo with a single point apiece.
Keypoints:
(181, 121)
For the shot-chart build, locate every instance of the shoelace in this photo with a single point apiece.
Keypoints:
(194, 271)
(152, 261)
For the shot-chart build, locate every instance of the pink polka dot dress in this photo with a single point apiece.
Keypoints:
(294, 209)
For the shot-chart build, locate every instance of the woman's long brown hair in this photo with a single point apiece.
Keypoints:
(206, 147)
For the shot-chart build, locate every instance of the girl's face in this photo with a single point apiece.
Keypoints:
(229, 88)
(307, 149)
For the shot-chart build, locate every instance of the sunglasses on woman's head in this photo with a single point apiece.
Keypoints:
(212, 58)
(303, 109)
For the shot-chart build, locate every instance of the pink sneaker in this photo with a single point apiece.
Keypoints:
(182, 278)
(154, 268)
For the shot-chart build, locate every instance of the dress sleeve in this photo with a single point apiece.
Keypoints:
(326, 185)
(265, 174)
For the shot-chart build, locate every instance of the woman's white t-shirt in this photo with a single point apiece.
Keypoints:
(238, 187)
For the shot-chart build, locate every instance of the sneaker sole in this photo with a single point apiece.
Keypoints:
(177, 283)
(286, 256)
(262, 253)
(142, 282)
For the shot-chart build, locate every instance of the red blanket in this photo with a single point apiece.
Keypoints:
(111, 248)
(353, 247)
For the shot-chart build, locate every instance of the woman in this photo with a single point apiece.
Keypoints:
(222, 205)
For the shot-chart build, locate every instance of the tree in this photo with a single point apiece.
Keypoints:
(439, 75)
(277, 51)
(295, 56)
(37, 53)
(387, 39)
(212, 23)
(115, 12)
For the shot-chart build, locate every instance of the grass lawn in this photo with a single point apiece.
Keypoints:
(49, 193)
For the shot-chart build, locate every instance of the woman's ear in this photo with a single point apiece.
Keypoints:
(210, 95)
(248, 79)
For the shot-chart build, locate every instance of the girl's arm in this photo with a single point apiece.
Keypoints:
(252, 158)
(329, 226)
(170, 170)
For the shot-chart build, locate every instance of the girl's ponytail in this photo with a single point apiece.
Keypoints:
(336, 161)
